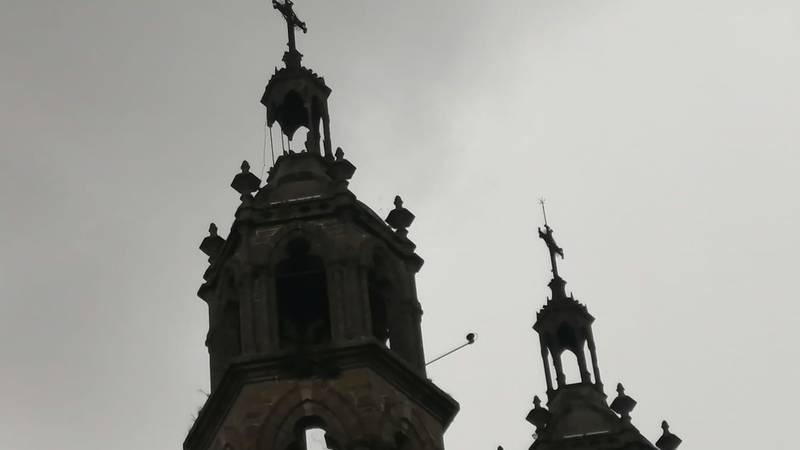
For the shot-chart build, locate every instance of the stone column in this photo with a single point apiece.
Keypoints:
(593, 353)
(548, 377)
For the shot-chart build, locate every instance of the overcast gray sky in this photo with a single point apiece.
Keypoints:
(664, 135)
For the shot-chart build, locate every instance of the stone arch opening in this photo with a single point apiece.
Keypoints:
(300, 140)
(285, 428)
(379, 291)
(311, 434)
(292, 113)
(570, 368)
(302, 297)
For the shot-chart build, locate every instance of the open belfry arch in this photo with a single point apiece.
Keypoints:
(314, 321)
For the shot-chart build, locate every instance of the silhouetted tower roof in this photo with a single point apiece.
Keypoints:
(577, 413)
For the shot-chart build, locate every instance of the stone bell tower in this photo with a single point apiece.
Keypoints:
(577, 414)
(314, 321)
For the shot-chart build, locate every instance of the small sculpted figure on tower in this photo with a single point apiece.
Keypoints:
(667, 441)
(212, 244)
(400, 218)
(623, 405)
(245, 183)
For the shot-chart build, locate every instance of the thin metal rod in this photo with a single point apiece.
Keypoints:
(470, 340)
(264, 151)
(271, 146)
(544, 212)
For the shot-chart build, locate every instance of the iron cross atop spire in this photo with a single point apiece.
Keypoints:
(557, 284)
(547, 236)
(292, 21)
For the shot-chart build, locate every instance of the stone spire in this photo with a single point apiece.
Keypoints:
(577, 413)
(314, 325)
(564, 324)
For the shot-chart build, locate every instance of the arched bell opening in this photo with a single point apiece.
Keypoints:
(291, 113)
(379, 291)
(311, 434)
(302, 297)
(570, 369)
(299, 141)
(392, 312)
(300, 117)
(570, 345)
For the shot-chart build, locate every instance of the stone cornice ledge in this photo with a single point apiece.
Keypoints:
(367, 354)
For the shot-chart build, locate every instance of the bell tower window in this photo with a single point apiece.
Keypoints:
(569, 364)
(302, 295)
(310, 434)
(379, 289)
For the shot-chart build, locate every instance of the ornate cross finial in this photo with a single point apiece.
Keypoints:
(557, 283)
(292, 21)
(552, 247)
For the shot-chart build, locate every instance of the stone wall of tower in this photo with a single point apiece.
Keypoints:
(247, 283)
(358, 410)
(314, 320)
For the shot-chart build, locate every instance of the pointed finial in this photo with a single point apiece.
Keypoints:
(400, 218)
(557, 283)
(623, 404)
(667, 441)
(538, 416)
(212, 244)
(544, 211)
(341, 169)
(245, 183)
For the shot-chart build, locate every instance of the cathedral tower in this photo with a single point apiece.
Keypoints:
(314, 321)
(577, 413)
